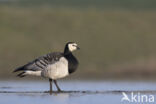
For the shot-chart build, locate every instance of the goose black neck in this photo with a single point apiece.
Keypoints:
(66, 50)
(72, 61)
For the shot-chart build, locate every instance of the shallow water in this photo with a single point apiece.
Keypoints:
(75, 92)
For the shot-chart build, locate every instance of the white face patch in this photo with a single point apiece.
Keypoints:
(72, 47)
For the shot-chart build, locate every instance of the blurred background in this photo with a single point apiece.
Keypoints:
(117, 37)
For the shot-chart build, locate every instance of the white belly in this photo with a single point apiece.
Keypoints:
(36, 73)
(57, 70)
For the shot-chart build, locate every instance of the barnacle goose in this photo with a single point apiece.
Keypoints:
(53, 65)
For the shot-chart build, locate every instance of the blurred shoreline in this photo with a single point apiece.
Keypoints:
(116, 43)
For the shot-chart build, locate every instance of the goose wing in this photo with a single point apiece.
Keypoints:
(41, 63)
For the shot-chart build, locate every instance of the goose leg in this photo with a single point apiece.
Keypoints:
(50, 81)
(59, 90)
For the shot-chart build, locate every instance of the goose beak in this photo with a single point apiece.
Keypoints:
(78, 48)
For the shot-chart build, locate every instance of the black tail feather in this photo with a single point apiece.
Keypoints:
(19, 69)
(22, 74)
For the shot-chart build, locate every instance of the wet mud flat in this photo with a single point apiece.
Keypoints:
(81, 92)
(74, 92)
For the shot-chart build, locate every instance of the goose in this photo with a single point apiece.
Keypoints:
(54, 65)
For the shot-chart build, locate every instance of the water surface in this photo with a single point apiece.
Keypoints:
(76, 92)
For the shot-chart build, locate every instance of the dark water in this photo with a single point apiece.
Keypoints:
(76, 92)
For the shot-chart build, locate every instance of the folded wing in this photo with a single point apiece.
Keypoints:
(40, 63)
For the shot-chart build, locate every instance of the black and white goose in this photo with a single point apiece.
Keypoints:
(53, 65)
